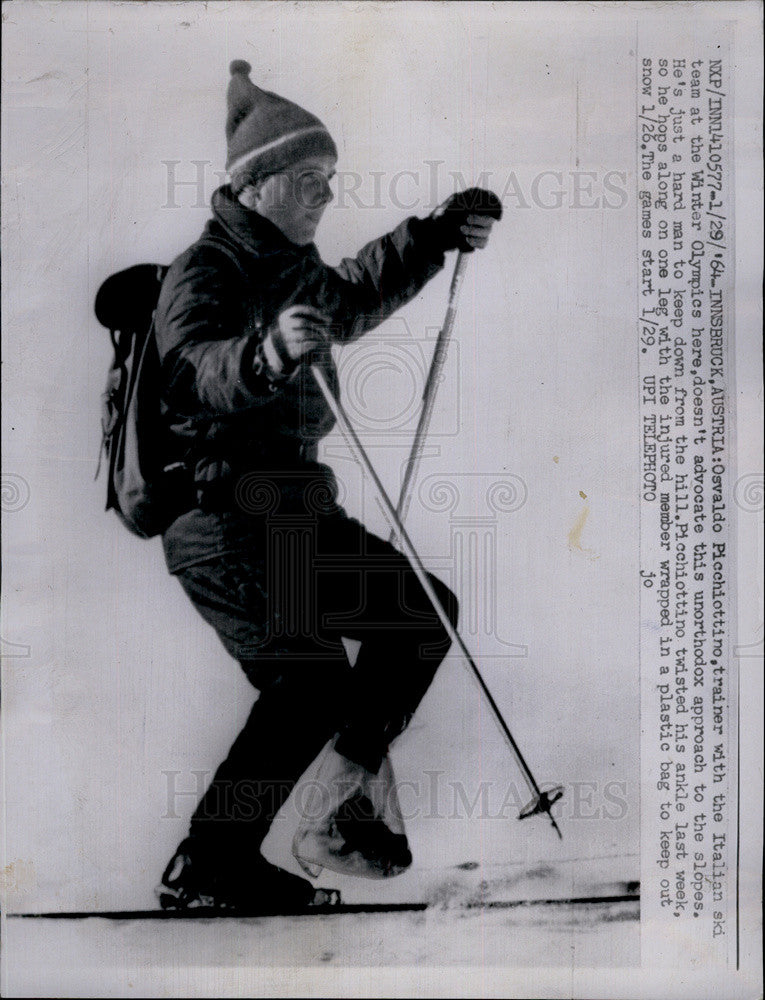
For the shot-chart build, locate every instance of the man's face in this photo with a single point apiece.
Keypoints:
(295, 199)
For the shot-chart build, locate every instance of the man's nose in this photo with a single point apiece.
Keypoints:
(327, 194)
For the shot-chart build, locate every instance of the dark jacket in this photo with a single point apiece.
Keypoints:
(229, 416)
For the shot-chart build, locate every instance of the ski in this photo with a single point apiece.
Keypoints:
(323, 910)
(210, 912)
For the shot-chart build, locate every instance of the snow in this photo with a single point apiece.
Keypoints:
(63, 957)
(487, 917)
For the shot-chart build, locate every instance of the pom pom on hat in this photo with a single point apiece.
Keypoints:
(265, 132)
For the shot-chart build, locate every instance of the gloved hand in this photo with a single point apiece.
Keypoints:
(463, 222)
(297, 332)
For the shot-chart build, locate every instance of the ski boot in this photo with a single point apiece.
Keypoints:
(191, 882)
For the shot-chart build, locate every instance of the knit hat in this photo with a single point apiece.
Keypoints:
(267, 133)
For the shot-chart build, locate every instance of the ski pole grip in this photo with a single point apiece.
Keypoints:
(473, 201)
(476, 201)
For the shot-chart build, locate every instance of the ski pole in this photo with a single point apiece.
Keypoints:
(541, 802)
(429, 392)
(473, 200)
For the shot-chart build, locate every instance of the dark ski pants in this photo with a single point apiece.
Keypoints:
(281, 608)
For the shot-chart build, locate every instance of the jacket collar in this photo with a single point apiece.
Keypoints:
(253, 231)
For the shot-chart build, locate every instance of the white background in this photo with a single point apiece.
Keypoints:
(122, 680)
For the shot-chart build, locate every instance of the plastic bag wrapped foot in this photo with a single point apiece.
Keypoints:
(352, 822)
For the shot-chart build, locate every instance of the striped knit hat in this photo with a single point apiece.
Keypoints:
(265, 132)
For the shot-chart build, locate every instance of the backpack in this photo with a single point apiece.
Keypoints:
(145, 486)
(133, 442)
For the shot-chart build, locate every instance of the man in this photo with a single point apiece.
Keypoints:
(261, 546)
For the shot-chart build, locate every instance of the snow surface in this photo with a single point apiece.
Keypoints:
(80, 958)
(468, 923)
